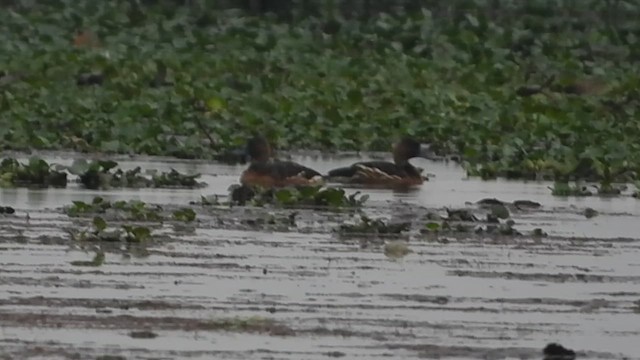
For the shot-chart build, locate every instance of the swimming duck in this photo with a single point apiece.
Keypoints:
(269, 173)
(398, 173)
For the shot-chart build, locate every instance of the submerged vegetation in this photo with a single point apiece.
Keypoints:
(535, 89)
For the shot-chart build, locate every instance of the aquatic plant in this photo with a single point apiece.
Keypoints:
(7, 210)
(299, 196)
(250, 324)
(97, 260)
(602, 189)
(396, 249)
(511, 88)
(270, 221)
(99, 232)
(589, 213)
(566, 189)
(366, 226)
(101, 174)
(185, 215)
(209, 200)
(35, 173)
(497, 220)
(133, 209)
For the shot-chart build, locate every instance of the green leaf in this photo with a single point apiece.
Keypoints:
(141, 233)
(473, 21)
(285, 196)
(185, 215)
(215, 104)
(333, 197)
(110, 146)
(433, 226)
(107, 165)
(99, 224)
(500, 211)
(79, 167)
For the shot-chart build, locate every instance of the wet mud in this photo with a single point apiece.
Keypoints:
(251, 283)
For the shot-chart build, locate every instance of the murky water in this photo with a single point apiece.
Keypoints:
(467, 297)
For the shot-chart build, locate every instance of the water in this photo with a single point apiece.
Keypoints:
(469, 297)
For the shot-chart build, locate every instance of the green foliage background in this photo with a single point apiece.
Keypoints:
(517, 88)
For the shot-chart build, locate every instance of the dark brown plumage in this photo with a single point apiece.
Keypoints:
(267, 172)
(384, 173)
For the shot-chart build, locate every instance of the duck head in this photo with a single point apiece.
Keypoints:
(408, 148)
(258, 149)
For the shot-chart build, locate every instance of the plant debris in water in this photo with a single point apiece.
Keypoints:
(97, 260)
(185, 215)
(565, 189)
(589, 213)
(602, 189)
(396, 249)
(7, 210)
(555, 351)
(496, 222)
(250, 324)
(143, 334)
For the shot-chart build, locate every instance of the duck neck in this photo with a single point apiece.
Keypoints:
(400, 160)
(406, 166)
(260, 159)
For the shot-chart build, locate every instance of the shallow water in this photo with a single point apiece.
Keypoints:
(469, 297)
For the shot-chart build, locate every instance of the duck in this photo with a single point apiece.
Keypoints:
(266, 172)
(399, 173)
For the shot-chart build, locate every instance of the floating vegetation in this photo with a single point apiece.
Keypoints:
(35, 173)
(7, 210)
(143, 334)
(554, 351)
(300, 196)
(209, 200)
(396, 249)
(566, 189)
(97, 260)
(103, 174)
(603, 189)
(133, 209)
(251, 324)
(185, 215)
(497, 221)
(99, 231)
(273, 221)
(589, 213)
(532, 103)
(366, 226)
(97, 174)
